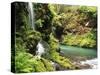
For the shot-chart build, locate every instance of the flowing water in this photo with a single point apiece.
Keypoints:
(42, 46)
(92, 62)
(69, 51)
(78, 51)
(31, 14)
(83, 56)
(40, 49)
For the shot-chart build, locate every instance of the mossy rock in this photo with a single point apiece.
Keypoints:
(64, 62)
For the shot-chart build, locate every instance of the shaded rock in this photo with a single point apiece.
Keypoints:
(85, 66)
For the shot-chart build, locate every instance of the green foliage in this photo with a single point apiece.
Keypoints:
(26, 63)
(29, 38)
(54, 23)
(85, 40)
(53, 42)
(43, 19)
(21, 16)
(48, 65)
(19, 46)
(39, 66)
(39, 23)
(52, 9)
(31, 35)
(60, 20)
(42, 65)
(22, 63)
(64, 62)
(92, 11)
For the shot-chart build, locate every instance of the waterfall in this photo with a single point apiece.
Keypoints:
(40, 49)
(42, 46)
(31, 14)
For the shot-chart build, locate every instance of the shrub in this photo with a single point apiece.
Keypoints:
(85, 40)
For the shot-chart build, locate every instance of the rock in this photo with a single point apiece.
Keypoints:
(80, 66)
(58, 67)
(88, 64)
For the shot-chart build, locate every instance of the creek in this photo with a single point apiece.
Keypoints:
(83, 57)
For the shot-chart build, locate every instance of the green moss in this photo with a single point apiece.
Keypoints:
(39, 66)
(48, 64)
(26, 63)
(64, 62)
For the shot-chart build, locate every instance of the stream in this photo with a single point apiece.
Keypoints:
(84, 58)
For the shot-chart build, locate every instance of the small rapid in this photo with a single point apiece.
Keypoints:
(92, 62)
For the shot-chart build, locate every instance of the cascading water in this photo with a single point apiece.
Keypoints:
(92, 62)
(42, 45)
(40, 49)
(31, 14)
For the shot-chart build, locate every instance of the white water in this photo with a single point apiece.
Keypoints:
(92, 63)
(40, 49)
(31, 14)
